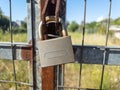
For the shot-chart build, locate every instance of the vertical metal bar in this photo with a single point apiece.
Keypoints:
(33, 44)
(62, 75)
(83, 37)
(29, 31)
(12, 47)
(58, 75)
(62, 71)
(108, 23)
(106, 43)
(64, 19)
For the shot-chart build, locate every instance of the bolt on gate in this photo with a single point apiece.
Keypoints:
(54, 77)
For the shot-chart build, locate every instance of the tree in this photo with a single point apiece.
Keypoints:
(73, 27)
(101, 27)
(4, 23)
(67, 23)
(91, 27)
(24, 25)
(1, 12)
(116, 21)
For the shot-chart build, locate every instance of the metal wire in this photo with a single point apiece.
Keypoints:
(12, 47)
(58, 76)
(34, 52)
(106, 43)
(62, 75)
(83, 38)
(20, 83)
(66, 87)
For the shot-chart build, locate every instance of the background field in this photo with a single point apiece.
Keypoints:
(90, 74)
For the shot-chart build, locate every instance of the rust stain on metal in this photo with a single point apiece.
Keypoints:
(48, 78)
(50, 11)
(53, 1)
(26, 53)
(48, 74)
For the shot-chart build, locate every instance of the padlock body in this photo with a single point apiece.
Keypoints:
(56, 51)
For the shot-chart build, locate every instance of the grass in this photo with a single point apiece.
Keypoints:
(6, 69)
(91, 74)
(93, 39)
(21, 37)
(6, 66)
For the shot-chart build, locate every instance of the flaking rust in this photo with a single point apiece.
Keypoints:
(26, 53)
(48, 73)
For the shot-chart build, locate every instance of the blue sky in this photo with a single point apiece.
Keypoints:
(96, 9)
(19, 8)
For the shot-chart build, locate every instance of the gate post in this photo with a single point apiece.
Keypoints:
(36, 20)
(49, 74)
(45, 80)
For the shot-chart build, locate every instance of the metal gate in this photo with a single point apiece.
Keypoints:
(17, 53)
(54, 78)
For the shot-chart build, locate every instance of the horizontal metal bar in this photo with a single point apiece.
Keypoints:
(68, 87)
(21, 52)
(21, 83)
(94, 55)
(14, 44)
(91, 54)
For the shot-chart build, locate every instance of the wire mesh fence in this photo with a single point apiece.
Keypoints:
(83, 76)
(14, 74)
(21, 75)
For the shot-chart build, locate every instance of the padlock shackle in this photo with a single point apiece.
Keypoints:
(50, 19)
(57, 9)
(40, 36)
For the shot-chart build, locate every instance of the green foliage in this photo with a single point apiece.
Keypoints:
(116, 21)
(67, 23)
(91, 76)
(4, 23)
(73, 27)
(24, 25)
(19, 30)
(6, 73)
(18, 37)
(91, 27)
(0, 11)
(101, 28)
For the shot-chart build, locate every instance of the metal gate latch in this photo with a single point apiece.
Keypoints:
(55, 51)
(55, 46)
